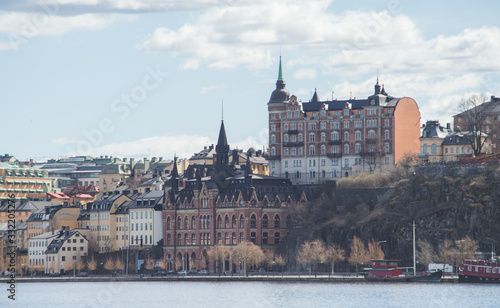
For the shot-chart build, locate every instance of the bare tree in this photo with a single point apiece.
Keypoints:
(109, 265)
(373, 153)
(148, 263)
(69, 266)
(119, 265)
(335, 254)
(249, 254)
(280, 261)
(80, 265)
(358, 254)
(219, 253)
(425, 252)
(375, 252)
(91, 264)
(475, 112)
(448, 252)
(466, 248)
(312, 253)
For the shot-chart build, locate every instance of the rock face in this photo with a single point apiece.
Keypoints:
(461, 203)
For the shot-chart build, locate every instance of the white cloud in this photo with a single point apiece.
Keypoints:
(305, 73)
(20, 27)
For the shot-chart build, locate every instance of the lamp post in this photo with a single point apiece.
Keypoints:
(492, 248)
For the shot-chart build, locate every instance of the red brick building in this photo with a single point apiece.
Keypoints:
(223, 204)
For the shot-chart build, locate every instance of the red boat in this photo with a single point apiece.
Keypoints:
(479, 271)
(388, 270)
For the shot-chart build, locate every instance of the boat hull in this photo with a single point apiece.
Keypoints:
(432, 277)
(467, 277)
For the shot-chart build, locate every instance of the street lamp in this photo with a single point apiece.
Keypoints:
(492, 248)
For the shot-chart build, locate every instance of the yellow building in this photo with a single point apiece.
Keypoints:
(113, 174)
(120, 226)
(24, 182)
(431, 140)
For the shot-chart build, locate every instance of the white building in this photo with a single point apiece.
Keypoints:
(65, 249)
(146, 226)
(36, 249)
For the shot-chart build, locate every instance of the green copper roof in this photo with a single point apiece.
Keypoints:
(280, 74)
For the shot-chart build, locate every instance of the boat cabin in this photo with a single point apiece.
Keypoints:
(481, 266)
(385, 268)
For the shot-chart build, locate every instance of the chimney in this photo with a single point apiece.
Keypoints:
(447, 125)
(124, 159)
(153, 159)
(160, 159)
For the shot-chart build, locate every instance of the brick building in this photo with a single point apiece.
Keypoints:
(325, 140)
(223, 204)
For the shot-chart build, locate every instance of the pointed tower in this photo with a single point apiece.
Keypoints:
(315, 97)
(222, 147)
(377, 87)
(175, 176)
(280, 94)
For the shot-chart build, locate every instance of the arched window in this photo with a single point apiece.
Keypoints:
(233, 240)
(311, 137)
(186, 239)
(386, 134)
(334, 136)
(346, 148)
(242, 221)
(425, 148)
(186, 220)
(357, 135)
(226, 222)
(169, 239)
(208, 222)
(323, 137)
(168, 223)
(226, 238)
(219, 238)
(264, 238)
(253, 236)
(300, 138)
(433, 149)
(273, 151)
(178, 223)
(264, 221)
(276, 221)
(346, 136)
(323, 149)
(273, 139)
(288, 221)
(193, 223)
(233, 224)
(312, 149)
(179, 239)
(193, 239)
(219, 222)
(285, 138)
(253, 221)
(201, 222)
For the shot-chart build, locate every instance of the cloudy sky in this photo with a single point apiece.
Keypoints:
(142, 78)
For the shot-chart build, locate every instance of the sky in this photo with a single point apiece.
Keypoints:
(145, 78)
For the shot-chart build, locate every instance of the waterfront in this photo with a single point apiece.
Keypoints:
(251, 294)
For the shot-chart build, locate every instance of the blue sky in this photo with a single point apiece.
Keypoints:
(142, 78)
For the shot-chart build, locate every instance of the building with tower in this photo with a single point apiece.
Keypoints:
(223, 203)
(318, 141)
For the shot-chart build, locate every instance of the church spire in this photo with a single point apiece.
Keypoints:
(222, 147)
(377, 87)
(175, 176)
(280, 73)
(280, 94)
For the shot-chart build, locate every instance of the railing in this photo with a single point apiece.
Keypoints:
(334, 155)
(293, 144)
(330, 142)
(293, 131)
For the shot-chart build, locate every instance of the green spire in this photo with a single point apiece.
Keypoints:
(280, 74)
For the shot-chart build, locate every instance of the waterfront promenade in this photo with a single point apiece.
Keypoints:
(208, 278)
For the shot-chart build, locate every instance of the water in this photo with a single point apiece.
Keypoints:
(250, 294)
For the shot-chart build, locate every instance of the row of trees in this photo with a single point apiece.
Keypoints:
(450, 252)
(316, 252)
(245, 253)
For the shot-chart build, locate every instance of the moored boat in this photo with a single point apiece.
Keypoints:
(479, 271)
(388, 270)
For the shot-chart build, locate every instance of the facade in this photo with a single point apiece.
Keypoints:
(492, 125)
(455, 147)
(146, 228)
(65, 249)
(24, 182)
(114, 174)
(318, 141)
(431, 141)
(120, 226)
(101, 239)
(37, 246)
(227, 206)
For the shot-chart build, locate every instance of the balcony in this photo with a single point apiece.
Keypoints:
(370, 141)
(274, 157)
(330, 142)
(293, 131)
(293, 144)
(334, 155)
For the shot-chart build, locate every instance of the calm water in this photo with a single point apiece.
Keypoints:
(250, 294)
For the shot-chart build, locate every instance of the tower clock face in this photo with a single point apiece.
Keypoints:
(372, 102)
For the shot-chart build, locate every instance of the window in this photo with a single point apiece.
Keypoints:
(346, 136)
(335, 149)
(168, 223)
(233, 239)
(277, 221)
(276, 238)
(358, 124)
(264, 238)
(242, 221)
(323, 137)
(285, 138)
(424, 148)
(323, 149)
(357, 148)
(388, 147)
(346, 148)
(301, 138)
(273, 139)
(346, 124)
(264, 221)
(334, 125)
(386, 134)
(219, 222)
(242, 237)
(312, 149)
(226, 222)
(311, 137)
(253, 237)
(357, 135)
(169, 239)
(253, 221)
(233, 222)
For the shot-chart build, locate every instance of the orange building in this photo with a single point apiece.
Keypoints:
(24, 182)
(318, 141)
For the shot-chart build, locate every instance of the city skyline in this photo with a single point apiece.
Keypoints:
(147, 78)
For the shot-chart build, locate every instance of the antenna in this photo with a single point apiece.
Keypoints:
(222, 109)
